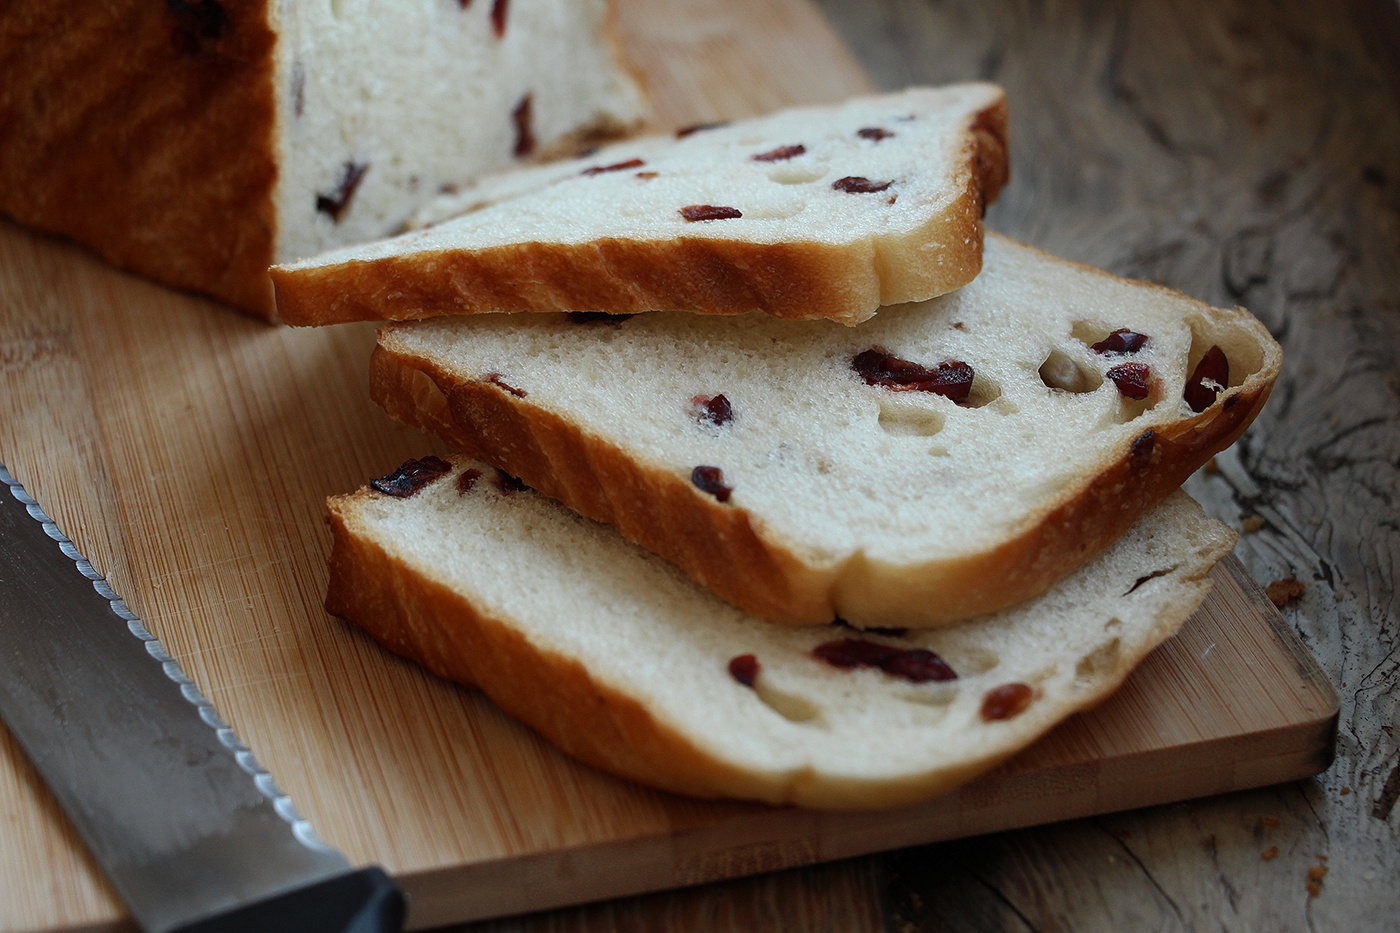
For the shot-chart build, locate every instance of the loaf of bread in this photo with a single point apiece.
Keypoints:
(814, 212)
(620, 660)
(942, 460)
(197, 142)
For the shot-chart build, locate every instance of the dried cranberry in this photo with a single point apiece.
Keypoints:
(1006, 701)
(410, 477)
(335, 204)
(523, 115)
(1142, 449)
(711, 479)
(952, 379)
(780, 154)
(917, 665)
(616, 167)
(744, 668)
(715, 410)
(1121, 340)
(685, 131)
(854, 184)
(1210, 377)
(496, 380)
(510, 484)
(1131, 379)
(874, 133)
(498, 17)
(852, 652)
(696, 212)
(467, 479)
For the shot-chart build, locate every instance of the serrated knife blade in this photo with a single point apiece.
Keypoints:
(193, 833)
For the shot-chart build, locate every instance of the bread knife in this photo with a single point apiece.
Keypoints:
(193, 833)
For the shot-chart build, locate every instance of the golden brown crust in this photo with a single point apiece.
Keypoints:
(618, 276)
(427, 622)
(723, 548)
(407, 610)
(793, 280)
(991, 153)
(146, 131)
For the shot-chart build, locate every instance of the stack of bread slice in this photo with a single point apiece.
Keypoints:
(899, 497)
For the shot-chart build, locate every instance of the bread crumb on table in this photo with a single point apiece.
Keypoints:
(1269, 854)
(1285, 591)
(1315, 875)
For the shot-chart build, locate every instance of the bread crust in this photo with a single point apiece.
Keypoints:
(733, 554)
(427, 622)
(412, 614)
(791, 279)
(135, 159)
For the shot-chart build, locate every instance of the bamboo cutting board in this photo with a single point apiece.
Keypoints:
(188, 450)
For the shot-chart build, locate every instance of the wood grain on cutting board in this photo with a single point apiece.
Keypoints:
(188, 451)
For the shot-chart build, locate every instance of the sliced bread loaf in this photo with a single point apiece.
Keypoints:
(941, 460)
(815, 212)
(199, 142)
(621, 661)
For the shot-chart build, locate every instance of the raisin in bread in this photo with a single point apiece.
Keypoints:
(941, 460)
(623, 662)
(815, 212)
(199, 142)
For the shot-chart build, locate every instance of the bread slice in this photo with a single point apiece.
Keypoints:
(816, 212)
(620, 660)
(821, 495)
(196, 143)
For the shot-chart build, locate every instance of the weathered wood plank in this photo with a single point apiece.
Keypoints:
(1251, 157)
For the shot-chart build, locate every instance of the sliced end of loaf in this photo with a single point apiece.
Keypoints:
(625, 664)
(609, 232)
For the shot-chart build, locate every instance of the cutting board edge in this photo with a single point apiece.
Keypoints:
(771, 841)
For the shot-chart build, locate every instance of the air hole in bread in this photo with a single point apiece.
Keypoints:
(1091, 332)
(1093, 665)
(984, 391)
(1063, 372)
(973, 661)
(791, 707)
(935, 695)
(1130, 408)
(909, 419)
(796, 174)
(1245, 354)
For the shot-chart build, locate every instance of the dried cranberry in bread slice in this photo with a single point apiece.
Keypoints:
(197, 143)
(941, 460)
(620, 660)
(815, 212)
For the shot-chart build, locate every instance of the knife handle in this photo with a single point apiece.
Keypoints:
(363, 901)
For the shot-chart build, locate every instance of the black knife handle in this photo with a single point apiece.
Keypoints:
(363, 901)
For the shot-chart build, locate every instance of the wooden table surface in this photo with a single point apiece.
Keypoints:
(1242, 154)
(1245, 155)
